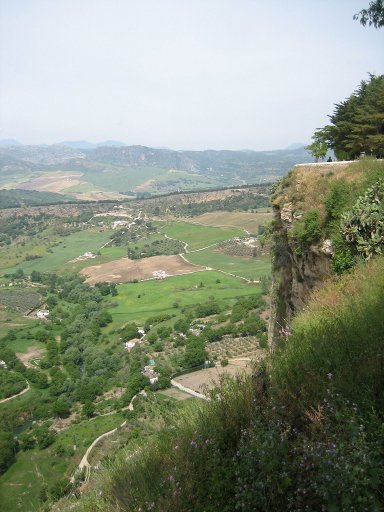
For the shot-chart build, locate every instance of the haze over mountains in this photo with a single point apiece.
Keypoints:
(83, 169)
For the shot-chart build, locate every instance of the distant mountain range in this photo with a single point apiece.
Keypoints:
(113, 167)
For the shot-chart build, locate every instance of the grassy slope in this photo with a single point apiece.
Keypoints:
(197, 236)
(44, 466)
(250, 268)
(73, 245)
(242, 220)
(159, 296)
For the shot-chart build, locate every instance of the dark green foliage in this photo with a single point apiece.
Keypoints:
(337, 199)
(11, 383)
(195, 353)
(308, 230)
(7, 450)
(358, 122)
(19, 198)
(209, 308)
(243, 305)
(129, 332)
(44, 436)
(253, 325)
(363, 227)
(88, 409)
(158, 347)
(374, 15)
(165, 246)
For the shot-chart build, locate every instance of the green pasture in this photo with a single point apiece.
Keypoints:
(12, 320)
(35, 468)
(250, 268)
(107, 254)
(121, 179)
(181, 180)
(73, 245)
(138, 301)
(197, 236)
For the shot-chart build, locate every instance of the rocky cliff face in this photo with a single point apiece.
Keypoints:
(297, 273)
(295, 276)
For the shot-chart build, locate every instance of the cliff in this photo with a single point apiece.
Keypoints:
(302, 255)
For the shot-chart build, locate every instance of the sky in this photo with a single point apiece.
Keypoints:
(183, 74)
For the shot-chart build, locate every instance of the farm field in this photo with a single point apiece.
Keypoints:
(11, 320)
(201, 380)
(243, 220)
(139, 301)
(120, 179)
(249, 268)
(46, 466)
(197, 236)
(21, 299)
(73, 245)
(106, 255)
(125, 270)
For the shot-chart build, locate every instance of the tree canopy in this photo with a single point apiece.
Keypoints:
(374, 15)
(357, 123)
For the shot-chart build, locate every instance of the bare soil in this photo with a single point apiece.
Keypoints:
(125, 270)
(175, 393)
(209, 378)
(51, 183)
(30, 354)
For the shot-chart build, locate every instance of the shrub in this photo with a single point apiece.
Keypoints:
(308, 230)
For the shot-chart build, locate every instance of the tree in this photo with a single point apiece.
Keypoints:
(357, 123)
(195, 353)
(319, 147)
(7, 450)
(374, 15)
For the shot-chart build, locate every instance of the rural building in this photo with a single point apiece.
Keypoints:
(42, 314)
(150, 374)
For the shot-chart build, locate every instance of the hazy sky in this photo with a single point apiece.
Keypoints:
(186, 74)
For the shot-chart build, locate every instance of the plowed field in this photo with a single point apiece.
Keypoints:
(125, 270)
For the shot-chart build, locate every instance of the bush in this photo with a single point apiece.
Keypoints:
(308, 230)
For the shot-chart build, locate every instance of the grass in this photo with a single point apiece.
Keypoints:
(160, 296)
(250, 268)
(197, 236)
(21, 345)
(243, 220)
(73, 246)
(11, 319)
(107, 254)
(44, 466)
(121, 179)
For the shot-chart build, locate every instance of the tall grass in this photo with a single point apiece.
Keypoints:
(340, 337)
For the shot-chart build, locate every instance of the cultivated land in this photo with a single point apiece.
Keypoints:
(125, 270)
(203, 380)
(197, 237)
(75, 244)
(248, 268)
(243, 220)
(196, 277)
(139, 301)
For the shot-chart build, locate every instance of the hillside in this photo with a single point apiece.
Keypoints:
(113, 172)
(304, 432)
(23, 198)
